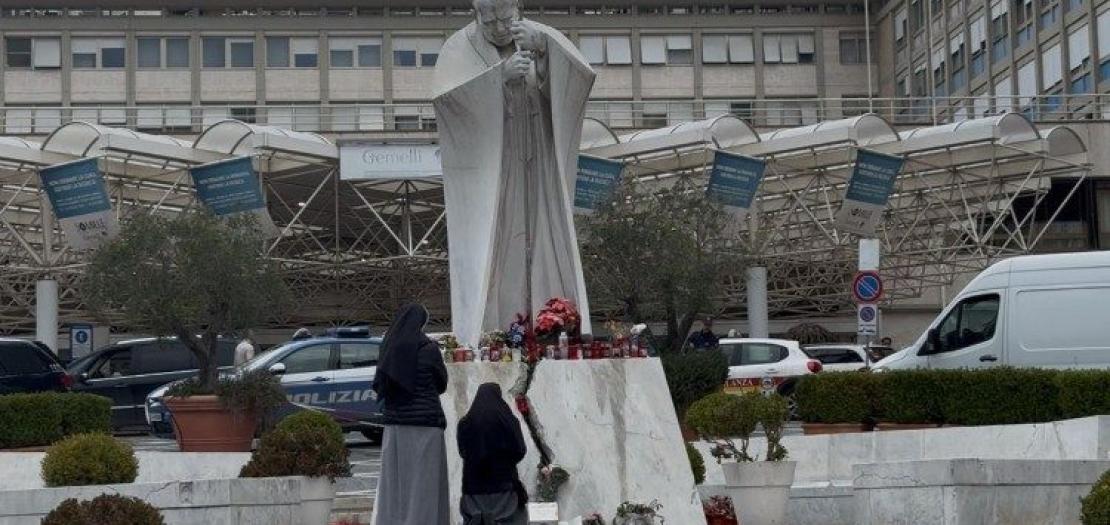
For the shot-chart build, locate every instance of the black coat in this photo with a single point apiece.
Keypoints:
(491, 444)
(419, 407)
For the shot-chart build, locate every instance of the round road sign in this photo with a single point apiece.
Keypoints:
(867, 287)
(867, 313)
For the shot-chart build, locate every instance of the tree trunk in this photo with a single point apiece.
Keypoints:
(206, 358)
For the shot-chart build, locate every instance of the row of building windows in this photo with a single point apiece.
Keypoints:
(1076, 43)
(709, 9)
(366, 52)
(218, 52)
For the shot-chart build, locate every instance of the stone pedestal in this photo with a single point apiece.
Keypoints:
(612, 426)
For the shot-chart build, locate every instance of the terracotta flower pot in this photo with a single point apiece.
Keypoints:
(814, 429)
(203, 425)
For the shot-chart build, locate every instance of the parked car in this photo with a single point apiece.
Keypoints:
(127, 371)
(1043, 311)
(333, 373)
(766, 364)
(30, 366)
(840, 358)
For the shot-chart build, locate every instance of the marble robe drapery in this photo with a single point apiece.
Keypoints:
(502, 144)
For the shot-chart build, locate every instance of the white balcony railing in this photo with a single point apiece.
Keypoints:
(619, 115)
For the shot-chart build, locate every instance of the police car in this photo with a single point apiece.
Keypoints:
(333, 373)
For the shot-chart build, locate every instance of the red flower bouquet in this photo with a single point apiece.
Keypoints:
(557, 315)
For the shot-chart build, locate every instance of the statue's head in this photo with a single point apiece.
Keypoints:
(496, 18)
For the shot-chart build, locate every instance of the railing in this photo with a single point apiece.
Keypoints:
(619, 115)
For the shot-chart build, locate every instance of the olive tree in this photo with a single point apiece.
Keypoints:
(193, 276)
(660, 253)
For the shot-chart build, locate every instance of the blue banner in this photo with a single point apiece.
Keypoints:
(735, 179)
(873, 177)
(596, 180)
(228, 187)
(75, 189)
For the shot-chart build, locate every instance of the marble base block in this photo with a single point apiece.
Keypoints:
(973, 491)
(612, 426)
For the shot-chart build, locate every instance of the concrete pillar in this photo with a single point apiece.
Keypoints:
(757, 301)
(46, 312)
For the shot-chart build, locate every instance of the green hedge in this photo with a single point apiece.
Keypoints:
(995, 396)
(29, 420)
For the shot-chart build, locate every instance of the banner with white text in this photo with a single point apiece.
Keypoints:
(79, 197)
(231, 187)
(597, 178)
(734, 181)
(868, 192)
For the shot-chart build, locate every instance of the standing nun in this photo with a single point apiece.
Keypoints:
(491, 445)
(413, 488)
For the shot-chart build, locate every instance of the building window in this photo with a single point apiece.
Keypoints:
(416, 51)
(727, 49)
(299, 117)
(1072, 5)
(164, 118)
(853, 48)
(284, 51)
(613, 114)
(104, 53)
(670, 50)
(1000, 28)
(917, 15)
(1079, 48)
(1027, 84)
(1050, 16)
(788, 48)
(978, 29)
(1081, 85)
(22, 120)
(900, 27)
(153, 52)
(414, 118)
(606, 50)
(364, 52)
(790, 112)
(1003, 94)
(1103, 33)
(37, 53)
(1051, 67)
(220, 52)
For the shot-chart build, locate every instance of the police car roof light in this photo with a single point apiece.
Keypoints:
(349, 332)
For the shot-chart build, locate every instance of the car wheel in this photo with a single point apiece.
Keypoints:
(374, 435)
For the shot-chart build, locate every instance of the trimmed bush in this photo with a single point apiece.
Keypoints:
(697, 463)
(105, 509)
(836, 397)
(694, 375)
(303, 444)
(1096, 506)
(915, 396)
(29, 420)
(999, 396)
(89, 459)
(1083, 393)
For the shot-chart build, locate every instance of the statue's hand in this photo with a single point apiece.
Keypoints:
(514, 68)
(528, 38)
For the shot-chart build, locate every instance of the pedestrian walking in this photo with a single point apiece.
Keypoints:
(245, 350)
(410, 377)
(491, 444)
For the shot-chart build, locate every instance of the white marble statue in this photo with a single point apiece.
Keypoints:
(509, 99)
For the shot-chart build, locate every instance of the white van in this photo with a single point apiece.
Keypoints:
(1044, 311)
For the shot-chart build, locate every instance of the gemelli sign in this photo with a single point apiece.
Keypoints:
(80, 201)
(367, 161)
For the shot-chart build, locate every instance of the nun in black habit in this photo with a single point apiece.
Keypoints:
(413, 488)
(491, 444)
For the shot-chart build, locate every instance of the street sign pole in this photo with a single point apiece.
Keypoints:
(869, 253)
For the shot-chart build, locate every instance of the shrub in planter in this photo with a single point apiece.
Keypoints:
(694, 375)
(105, 509)
(28, 420)
(1083, 393)
(1000, 396)
(912, 396)
(723, 417)
(303, 444)
(772, 412)
(697, 463)
(89, 459)
(1096, 506)
(836, 397)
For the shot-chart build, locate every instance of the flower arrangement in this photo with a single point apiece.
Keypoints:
(593, 519)
(495, 338)
(629, 513)
(616, 329)
(449, 342)
(518, 332)
(551, 477)
(557, 315)
(718, 510)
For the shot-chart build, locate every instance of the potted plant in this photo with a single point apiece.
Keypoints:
(718, 511)
(639, 514)
(759, 489)
(196, 277)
